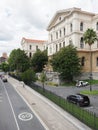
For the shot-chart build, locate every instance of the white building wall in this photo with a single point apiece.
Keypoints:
(75, 19)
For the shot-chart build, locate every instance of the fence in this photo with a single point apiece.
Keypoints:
(87, 117)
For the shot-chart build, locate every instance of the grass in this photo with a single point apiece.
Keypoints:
(88, 92)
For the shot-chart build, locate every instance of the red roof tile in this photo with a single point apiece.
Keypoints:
(33, 40)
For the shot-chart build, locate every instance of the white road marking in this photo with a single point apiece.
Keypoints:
(11, 108)
(25, 116)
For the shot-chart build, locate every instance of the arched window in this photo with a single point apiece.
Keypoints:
(81, 43)
(97, 26)
(56, 35)
(70, 41)
(30, 47)
(83, 61)
(63, 44)
(60, 33)
(59, 46)
(56, 47)
(51, 37)
(81, 26)
(30, 54)
(64, 31)
(71, 27)
(50, 49)
(97, 61)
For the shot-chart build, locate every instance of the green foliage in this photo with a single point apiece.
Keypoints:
(28, 76)
(38, 60)
(67, 63)
(90, 36)
(43, 77)
(18, 60)
(93, 92)
(5, 67)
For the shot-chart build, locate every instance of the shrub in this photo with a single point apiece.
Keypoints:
(28, 76)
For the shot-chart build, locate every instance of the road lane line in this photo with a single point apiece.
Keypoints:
(11, 108)
(43, 124)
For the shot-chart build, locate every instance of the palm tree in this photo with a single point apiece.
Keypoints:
(90, 37)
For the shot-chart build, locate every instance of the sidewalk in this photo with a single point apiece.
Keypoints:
(50, 115)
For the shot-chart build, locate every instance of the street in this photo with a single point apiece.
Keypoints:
(65, 91)
(14, 112)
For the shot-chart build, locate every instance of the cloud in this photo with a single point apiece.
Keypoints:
(30, 18)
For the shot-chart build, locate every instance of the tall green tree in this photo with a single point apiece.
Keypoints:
(18, 60)
(90, 37)
(28, 76)
(67, 63)
(38, 60)
(5, 67)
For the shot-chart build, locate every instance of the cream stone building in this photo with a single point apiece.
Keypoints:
(67, 27)
(30, 46)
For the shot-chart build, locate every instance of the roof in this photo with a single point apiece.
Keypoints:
(67, 12)
(33, 40)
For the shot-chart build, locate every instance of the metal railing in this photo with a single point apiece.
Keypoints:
(87, 117)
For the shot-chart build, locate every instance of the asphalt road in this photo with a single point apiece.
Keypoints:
(65, 91)
(14, 112)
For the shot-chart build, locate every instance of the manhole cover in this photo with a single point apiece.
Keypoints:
(25, 116)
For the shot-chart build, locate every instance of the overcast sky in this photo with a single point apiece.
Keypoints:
(30, 18)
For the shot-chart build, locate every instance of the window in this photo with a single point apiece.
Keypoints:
(97, 43)
(56, 35)
(36, 47)
(59, 46)
(97, 61)
(30, 54)
(30, 47)
(81, 43)
(51, 37)
(64, 31)
(56, 47)
(50, 49)
(81, 26)
(97, 26)
(60, 33)
(71, 27)
(82, 61)
(63, 44)
(59, 18)
(70, 41)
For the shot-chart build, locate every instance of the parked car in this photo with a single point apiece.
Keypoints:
(81, 83)
(79, 99)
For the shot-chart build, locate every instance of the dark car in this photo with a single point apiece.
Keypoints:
(79, 99)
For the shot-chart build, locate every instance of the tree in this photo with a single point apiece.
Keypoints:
(38, 60)
(5, 67)
(67, 63)
(28, 76)
(90, 37)
(43, 78)
(18, 60)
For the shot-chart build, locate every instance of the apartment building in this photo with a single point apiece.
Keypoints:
(67, 27)
(30, 46)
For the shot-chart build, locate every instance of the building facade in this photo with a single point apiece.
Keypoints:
(3, 58)
(67, 27)
(30, 46)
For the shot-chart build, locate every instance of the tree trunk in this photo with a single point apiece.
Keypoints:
(90, 68)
